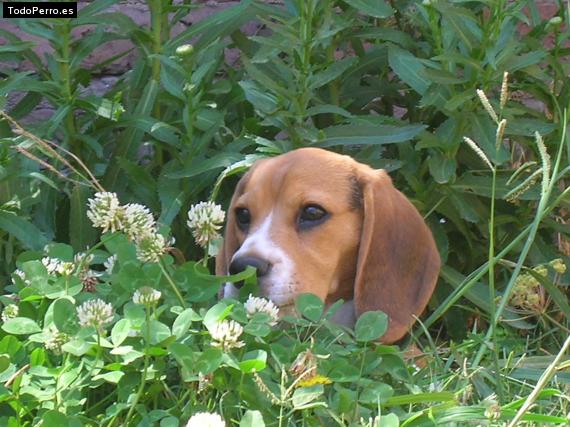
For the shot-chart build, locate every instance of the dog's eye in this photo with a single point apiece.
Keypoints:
(243, 218)
(312, 215)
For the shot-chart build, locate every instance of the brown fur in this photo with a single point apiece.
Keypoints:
(375, 247)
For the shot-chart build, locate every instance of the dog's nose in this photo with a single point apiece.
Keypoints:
(241, 263)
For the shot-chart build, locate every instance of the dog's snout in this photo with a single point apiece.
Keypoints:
(239, 264)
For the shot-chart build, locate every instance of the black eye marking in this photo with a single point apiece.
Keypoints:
(311, 216)
(243, 218)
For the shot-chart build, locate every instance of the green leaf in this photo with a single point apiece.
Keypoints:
(442, 76)
(478, 294)
(408, 399)
(310, 306)
(253, 361)
(120, 331)
(518, 62)
(60, 251)
(26, 232)
(200, 285)
(183, 355)
(4, 362)
(390, 420)
(408, 68)
(216, 314)
(235, 168)
(216, 25)
(258, 325)
(363, 134)
(376, 393)
(305, 395)
(400, 38)
(331, 73)
(261, 100)
(159, 130)
(132, 136)
(441, 167)
(91, 10)
(158, 331)
(77, 347)
(208, 118)
(20, 326)
(252, 419)
(111, 377)
(209, 361)
(375, 8)
(328, 109)
(527, 127)
(201, 165)
(466, 204)
(183, 321)
(371, 325)
(65, 316)
(127, 353)
(54, 419)
(463, 23)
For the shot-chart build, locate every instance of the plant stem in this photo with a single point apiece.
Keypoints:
(64, 32)
(145, 367)
(156, 22)
(172, 284)
(545, 377)
(472, 278)
(492, 294)
(156, 28)
(540, 212)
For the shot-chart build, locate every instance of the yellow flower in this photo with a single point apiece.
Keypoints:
(317, 379)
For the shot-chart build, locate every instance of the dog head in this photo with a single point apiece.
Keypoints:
(312, 221)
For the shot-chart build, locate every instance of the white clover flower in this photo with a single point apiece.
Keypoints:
(109, 264)
(138, 221)
(146, 296)
(52, 265)
(81, 258)
(205, 220)
(9, 312)
(206, 419)
(105, 212)
(95, 312)
(66, 268)
(261, 305)
(150, 247)
(56, 266)
(226, 335)
(22, 276)
(56, 340)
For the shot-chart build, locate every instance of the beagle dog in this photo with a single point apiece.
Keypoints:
(313, 221)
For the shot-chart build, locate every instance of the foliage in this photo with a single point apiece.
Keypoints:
(394, 84)
(151, 357)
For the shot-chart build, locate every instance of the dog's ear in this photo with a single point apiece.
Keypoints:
(230, 244)
(398, 262)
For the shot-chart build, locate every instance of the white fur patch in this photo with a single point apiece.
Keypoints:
(279, 283)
